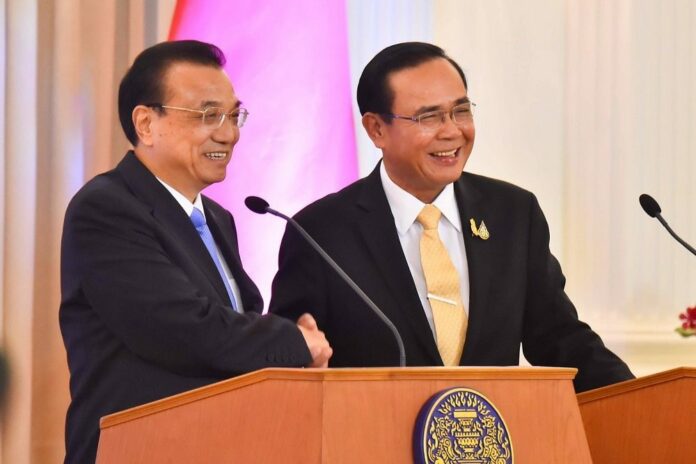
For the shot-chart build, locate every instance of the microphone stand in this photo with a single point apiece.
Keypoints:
(260, 206)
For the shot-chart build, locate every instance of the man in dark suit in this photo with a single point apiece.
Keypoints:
(154, 297)
(493, 284)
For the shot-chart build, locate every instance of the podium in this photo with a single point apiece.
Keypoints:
(341, 416)
(647, 420)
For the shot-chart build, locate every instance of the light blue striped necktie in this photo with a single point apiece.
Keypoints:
(199, 223)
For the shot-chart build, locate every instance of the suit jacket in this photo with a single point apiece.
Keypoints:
(144, 312)
(516, 285)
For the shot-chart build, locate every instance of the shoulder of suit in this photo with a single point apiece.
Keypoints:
(111, 183)
(127, 187)
(489, 185)
(103, 186)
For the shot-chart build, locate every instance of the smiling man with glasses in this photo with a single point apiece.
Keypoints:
(460, 263)
(155, 300)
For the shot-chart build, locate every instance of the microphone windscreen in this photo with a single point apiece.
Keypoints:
(649, 205)
(256, 204)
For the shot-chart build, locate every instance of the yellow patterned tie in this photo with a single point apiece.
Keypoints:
(444, 294)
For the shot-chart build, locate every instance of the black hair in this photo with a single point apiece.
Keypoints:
(144, 81)
(374, 93)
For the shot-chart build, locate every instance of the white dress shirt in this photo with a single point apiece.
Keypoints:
(405, 209)
(198, 203)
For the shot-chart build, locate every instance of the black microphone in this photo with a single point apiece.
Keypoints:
(260, 206)
(651, 207)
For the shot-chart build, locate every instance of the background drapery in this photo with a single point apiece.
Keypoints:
(61, 63)
(586, 103)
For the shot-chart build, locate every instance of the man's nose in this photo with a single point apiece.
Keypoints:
(227, 132)
(448, 126)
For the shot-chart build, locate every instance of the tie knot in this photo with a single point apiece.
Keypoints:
(197, 218)
(429, 217)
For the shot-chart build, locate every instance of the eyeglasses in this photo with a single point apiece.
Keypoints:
(212, 117)
(432, 120)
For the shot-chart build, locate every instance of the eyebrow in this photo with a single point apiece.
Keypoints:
(427, 109)
(209, 103)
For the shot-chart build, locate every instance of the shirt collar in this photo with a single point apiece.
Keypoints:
(183, 201)
(405, 207)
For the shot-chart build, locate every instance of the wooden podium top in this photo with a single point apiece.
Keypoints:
(636, 384)
(339, 375)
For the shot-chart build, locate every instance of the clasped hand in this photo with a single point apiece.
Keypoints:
(316, 341)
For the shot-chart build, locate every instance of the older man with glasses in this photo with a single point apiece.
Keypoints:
(460, 263)
(155, 300)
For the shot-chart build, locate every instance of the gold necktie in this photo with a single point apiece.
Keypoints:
(444, 294)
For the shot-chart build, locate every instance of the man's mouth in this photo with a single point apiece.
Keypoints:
(445, 154)
(216, 155)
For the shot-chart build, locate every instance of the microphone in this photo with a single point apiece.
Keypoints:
(261, 206)
(649, 205)
(652, 209)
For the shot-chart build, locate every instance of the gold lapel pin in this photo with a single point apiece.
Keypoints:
(480, 231)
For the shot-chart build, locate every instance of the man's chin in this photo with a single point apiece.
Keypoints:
(213, 180)
(449, 175)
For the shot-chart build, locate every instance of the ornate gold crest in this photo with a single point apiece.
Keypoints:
(480, 231)
(460, 426)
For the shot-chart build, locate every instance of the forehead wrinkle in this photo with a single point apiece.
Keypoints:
(198, 86)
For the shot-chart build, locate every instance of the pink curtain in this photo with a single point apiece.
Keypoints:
(288, 62)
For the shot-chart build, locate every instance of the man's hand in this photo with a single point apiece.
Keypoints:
(316, 341)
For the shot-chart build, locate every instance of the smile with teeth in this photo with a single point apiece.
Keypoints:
(445, 154)
(216, 155)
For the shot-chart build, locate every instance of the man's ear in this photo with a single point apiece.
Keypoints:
(142, 121)
(375, 127)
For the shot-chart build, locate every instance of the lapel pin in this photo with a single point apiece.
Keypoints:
(480, 231)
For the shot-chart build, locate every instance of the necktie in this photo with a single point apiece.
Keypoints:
(444, 294)
(199, 223)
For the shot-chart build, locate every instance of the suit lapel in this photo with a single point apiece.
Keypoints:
(379, 234)
(166, 210)
(472, 204)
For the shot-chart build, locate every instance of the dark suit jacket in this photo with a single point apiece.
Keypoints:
(516, 285)
(144, 312)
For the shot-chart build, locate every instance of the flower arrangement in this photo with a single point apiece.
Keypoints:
(688, 326)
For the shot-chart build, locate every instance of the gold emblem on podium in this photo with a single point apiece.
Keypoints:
(461, 426)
